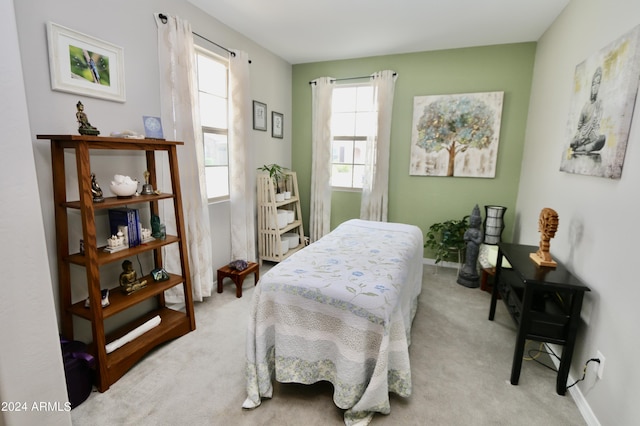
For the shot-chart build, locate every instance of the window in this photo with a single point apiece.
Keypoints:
(352, 119)
(212, 74)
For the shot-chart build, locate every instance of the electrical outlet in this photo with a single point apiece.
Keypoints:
(600, 365)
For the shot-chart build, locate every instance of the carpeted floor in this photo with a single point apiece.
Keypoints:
(461, 364)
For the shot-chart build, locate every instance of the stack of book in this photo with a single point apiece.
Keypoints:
(122, 218)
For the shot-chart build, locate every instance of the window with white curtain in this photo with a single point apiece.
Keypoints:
(212, 75)
(352, 119)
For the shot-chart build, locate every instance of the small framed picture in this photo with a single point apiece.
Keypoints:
(259, 116)
(85, 65)
(277, 122)
(152, 127)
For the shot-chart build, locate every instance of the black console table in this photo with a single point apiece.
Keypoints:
(544, 302)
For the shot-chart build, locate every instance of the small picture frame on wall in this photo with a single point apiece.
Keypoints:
(85, 65)
(277, 123)
(259, 116)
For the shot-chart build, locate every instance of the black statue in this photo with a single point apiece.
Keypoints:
(96, 191)
(473, 237)
(157, 228)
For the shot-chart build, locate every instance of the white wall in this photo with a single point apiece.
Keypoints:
(31, 363)
(598, 232)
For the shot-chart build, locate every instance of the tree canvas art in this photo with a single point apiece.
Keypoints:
(602, 104)
(456, 135)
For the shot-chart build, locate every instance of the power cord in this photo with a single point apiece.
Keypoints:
(584, 371)
(140, 265)
(535, 353)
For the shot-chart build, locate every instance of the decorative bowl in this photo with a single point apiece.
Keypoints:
(123, 186)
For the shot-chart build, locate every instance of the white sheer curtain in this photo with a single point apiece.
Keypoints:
(180, 120)
(375, 191)
(320, 203)
(241, 171)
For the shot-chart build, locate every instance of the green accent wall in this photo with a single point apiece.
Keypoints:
(424, 200)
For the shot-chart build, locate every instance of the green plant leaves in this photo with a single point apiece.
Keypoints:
(446, 238)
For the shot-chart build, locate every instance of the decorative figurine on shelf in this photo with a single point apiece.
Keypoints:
(96, 190)
(85, 128)
(147, 189)
(145, 233)
(473, 237)
(155, 226)
(547, 226)
(104, 299)
(116, 241)
(129, 282)
(159, 274)
(158, 230)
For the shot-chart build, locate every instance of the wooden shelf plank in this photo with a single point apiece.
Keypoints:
(103, 142)
(293, 199)
(173, 324)
(112, 202)
(279, 231)
(120, 301)
(105, 258)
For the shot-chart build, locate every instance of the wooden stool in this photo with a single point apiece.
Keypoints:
(238, 276)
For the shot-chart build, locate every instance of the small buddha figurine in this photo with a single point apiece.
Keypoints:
(96, 190)
(85, 128)
(129, 281)
(547, 226)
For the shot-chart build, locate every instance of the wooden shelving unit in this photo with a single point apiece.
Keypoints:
(270, 237)
(112, 366)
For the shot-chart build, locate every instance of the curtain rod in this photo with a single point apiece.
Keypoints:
(349, 78)
(164, 18)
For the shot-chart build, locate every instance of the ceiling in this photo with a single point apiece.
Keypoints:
(302, 31)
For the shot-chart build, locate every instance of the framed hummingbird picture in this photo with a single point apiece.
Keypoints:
(85, 65)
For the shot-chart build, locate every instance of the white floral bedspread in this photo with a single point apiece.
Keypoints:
(340, 310)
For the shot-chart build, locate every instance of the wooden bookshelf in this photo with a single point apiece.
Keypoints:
(173, 324)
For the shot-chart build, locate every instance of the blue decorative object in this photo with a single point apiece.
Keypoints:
(152, 127)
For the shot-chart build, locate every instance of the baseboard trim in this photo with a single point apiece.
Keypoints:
(575, 392)
(443, 264)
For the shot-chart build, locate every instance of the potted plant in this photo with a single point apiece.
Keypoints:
(276, 172)
(446, 238)
(286, 187)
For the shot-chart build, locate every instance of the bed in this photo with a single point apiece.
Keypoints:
(339, 310)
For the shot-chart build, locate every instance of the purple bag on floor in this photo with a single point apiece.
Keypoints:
(79, 368)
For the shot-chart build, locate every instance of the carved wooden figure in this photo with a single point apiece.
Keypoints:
(547, 226)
